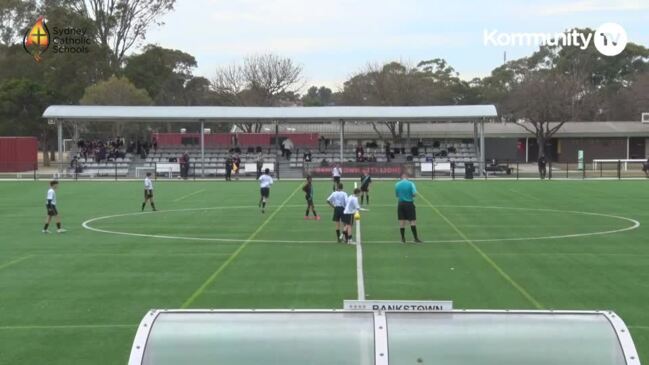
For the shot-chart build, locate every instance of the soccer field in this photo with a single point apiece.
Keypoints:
(77, 298)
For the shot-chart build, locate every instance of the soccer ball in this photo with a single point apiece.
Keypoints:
(357, 216)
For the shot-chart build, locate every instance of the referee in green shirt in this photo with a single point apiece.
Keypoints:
(405, 191)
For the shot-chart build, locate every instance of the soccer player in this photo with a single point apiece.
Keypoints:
(405, 191)
(337, 200)
(148, 192)
(336, 173)
(366, 180)
(51, 209)
(265, 181)
(308, 190)
(351, 208)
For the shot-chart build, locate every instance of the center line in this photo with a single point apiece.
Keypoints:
(10, 263)
(188, 195)
(491, 262)
(236, 253)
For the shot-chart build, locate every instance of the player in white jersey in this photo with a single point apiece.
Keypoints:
(148, 192)
(52, 212)
(265, 181)
(336, 174)
(338, 200)
(351, 208)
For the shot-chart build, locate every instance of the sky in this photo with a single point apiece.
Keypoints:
(334, 39)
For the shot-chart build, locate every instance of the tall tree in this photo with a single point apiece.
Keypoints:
(318, 96)
(266, 80)
(15, 17)
(122, 24)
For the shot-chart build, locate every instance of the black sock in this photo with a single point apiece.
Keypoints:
(46, 225)
(362, 198)
(314, 213)
(58, 225)
(143, 205)
(346, 235)
(414, 231)
(403, 233)
(337, 233)
(368, 199)
(153, 205)
(263, 204)
(307, 212)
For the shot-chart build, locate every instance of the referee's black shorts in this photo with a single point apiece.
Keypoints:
(148, 194)
(338, 213)
(265, 192)
(51, 210)
(337, 179)
(407, 211)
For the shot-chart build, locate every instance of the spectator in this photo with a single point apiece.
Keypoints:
(236, 166)
(260, 165)
(184, 165)
(360, 153)
(287, 144)
(228, 169)
(542, 169)
(645, 168)
(372, 157)
(388, 151)
(322, 144)
(307, 156)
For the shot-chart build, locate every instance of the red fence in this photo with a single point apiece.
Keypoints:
(228, 139)
(18, 154)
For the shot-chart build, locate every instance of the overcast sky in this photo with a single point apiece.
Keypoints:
(332, 39)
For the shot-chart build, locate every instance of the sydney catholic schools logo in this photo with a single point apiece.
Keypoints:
(37, 39)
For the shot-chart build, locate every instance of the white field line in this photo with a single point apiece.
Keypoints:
(188, 195)
(634, 224)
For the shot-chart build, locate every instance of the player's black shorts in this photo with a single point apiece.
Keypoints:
(337, 179)
(309, 199)
(148, 194)
(51, 210)
(365, 188)
(265, 192)
(348, 219)
(406, 211)
(338, 213)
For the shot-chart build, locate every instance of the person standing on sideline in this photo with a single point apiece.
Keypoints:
(336, 174)
(265, 181)
(228, 169)
(236, 166)
(52, 212)
(542, 169)
(337, 200)
(405, 191)
(308, 190)
(366, 180)
(351, 208)
(260, 165)
(148, 192)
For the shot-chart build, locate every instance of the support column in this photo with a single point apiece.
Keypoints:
(527, 149)
(482, 149)
(628, 148)
(59, 138)
(75, 137)
(342, 141)
(408, 136)
(202, 149)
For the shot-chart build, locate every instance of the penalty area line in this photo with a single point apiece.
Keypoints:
(197, 293)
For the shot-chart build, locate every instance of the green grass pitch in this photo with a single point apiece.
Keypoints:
(77, 298)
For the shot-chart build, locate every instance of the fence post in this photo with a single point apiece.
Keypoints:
(155, 171)
(550, 170)
(619, 169)
(583, 171)
(601, 166)
(35, 168)
(115, 164)
(432, 170)
(194, 169)
(567, 170)
(277, 168)
(517, 169)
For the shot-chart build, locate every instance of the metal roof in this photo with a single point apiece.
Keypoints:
(464, 113)
(492, 130)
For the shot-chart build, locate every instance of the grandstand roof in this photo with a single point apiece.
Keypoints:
(464, 113)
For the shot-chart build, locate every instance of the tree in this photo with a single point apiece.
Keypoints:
(22, 102)
(163, 72)
(543, 102)
(321, 96)
(117, 91)
(15, 17)
(266, 80)
(122, 24)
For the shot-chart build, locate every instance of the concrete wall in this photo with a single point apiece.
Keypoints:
(503, 149)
